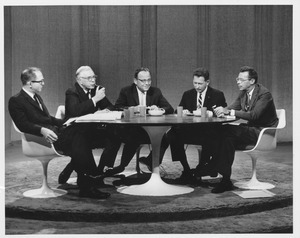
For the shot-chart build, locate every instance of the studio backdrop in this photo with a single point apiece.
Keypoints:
(170, 40)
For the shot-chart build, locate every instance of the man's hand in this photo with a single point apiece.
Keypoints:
(185, 111)
(100, 94)
(49, 135)
(153, 107)
(221, 111)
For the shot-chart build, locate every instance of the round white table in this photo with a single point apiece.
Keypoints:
(156, 127)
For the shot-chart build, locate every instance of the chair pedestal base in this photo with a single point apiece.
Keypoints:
(44, 193)
(253, 184)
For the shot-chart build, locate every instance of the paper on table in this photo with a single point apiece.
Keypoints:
(105, 116)
(70, 120)
(254, 193)
(230, 117)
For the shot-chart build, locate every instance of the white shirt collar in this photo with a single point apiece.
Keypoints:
(31, 94)
(203, 93)
(251, 92)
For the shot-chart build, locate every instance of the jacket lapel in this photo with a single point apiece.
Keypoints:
(254, 96)
(45, 110)
(135, 94)
(82, 96)
(207, 97)
(34, 103)
(30, 99)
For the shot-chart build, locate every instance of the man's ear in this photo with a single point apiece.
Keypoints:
(135, 81)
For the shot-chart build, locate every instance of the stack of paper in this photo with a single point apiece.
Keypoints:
(105, 116)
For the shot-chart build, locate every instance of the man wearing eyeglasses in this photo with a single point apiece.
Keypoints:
(139, 93)
(255, 105)
(30, 115)
(84, 98)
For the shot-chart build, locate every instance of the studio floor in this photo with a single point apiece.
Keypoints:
(198, 212)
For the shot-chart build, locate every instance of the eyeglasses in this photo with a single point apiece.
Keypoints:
(90, 78)
(145, 80)
(40, 81)
(241, 80)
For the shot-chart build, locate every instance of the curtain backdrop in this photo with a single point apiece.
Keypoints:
(171, 40)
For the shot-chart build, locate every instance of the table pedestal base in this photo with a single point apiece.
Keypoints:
(155, 187)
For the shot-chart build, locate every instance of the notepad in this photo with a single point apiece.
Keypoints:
(105, 116)
(254, 193)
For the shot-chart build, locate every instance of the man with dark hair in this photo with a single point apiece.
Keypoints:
(139, 93)
(30, 115)
(202, 95)
(255, 105)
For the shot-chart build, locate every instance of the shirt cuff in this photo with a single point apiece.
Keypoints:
(232, 112)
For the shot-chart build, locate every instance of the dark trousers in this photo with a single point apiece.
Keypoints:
(233, 137)
(194, 135)
(133, 137)
(78, 140)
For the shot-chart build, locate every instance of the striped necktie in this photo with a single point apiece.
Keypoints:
(199, 101)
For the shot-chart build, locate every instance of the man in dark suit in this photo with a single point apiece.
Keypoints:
(85, 98)
(254, 104)
(30, 115)
(202, 95)
(140, 93)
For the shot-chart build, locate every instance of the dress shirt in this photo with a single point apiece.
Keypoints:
(142, 97)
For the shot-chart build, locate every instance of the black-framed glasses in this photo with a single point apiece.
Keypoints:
(38, 81)
(145, 80)
(90, 78)
(241, 80)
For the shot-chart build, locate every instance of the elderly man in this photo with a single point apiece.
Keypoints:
(255, 105)
(140, 93)
(30, 115)
(84, 98)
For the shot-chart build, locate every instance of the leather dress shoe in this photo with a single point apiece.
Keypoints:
(223, 186)
(85, 179)
(205, 171)
(146, 161)
(65, 174)
(92, 192)
(113, 171)
(185, 178)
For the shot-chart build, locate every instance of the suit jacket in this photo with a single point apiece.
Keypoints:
(129, 97)
(28, 116)
(212, 97)
(261, 112)
(78, 103)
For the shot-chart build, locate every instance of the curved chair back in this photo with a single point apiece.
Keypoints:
(267, 139)
(61, 112)
(34, 146)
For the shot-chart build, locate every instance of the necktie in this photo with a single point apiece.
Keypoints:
(199, 101)
(37, 101)
(89, 94)
(247, 104)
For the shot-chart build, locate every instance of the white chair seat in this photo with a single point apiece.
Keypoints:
(267, 141)
(37, 147)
